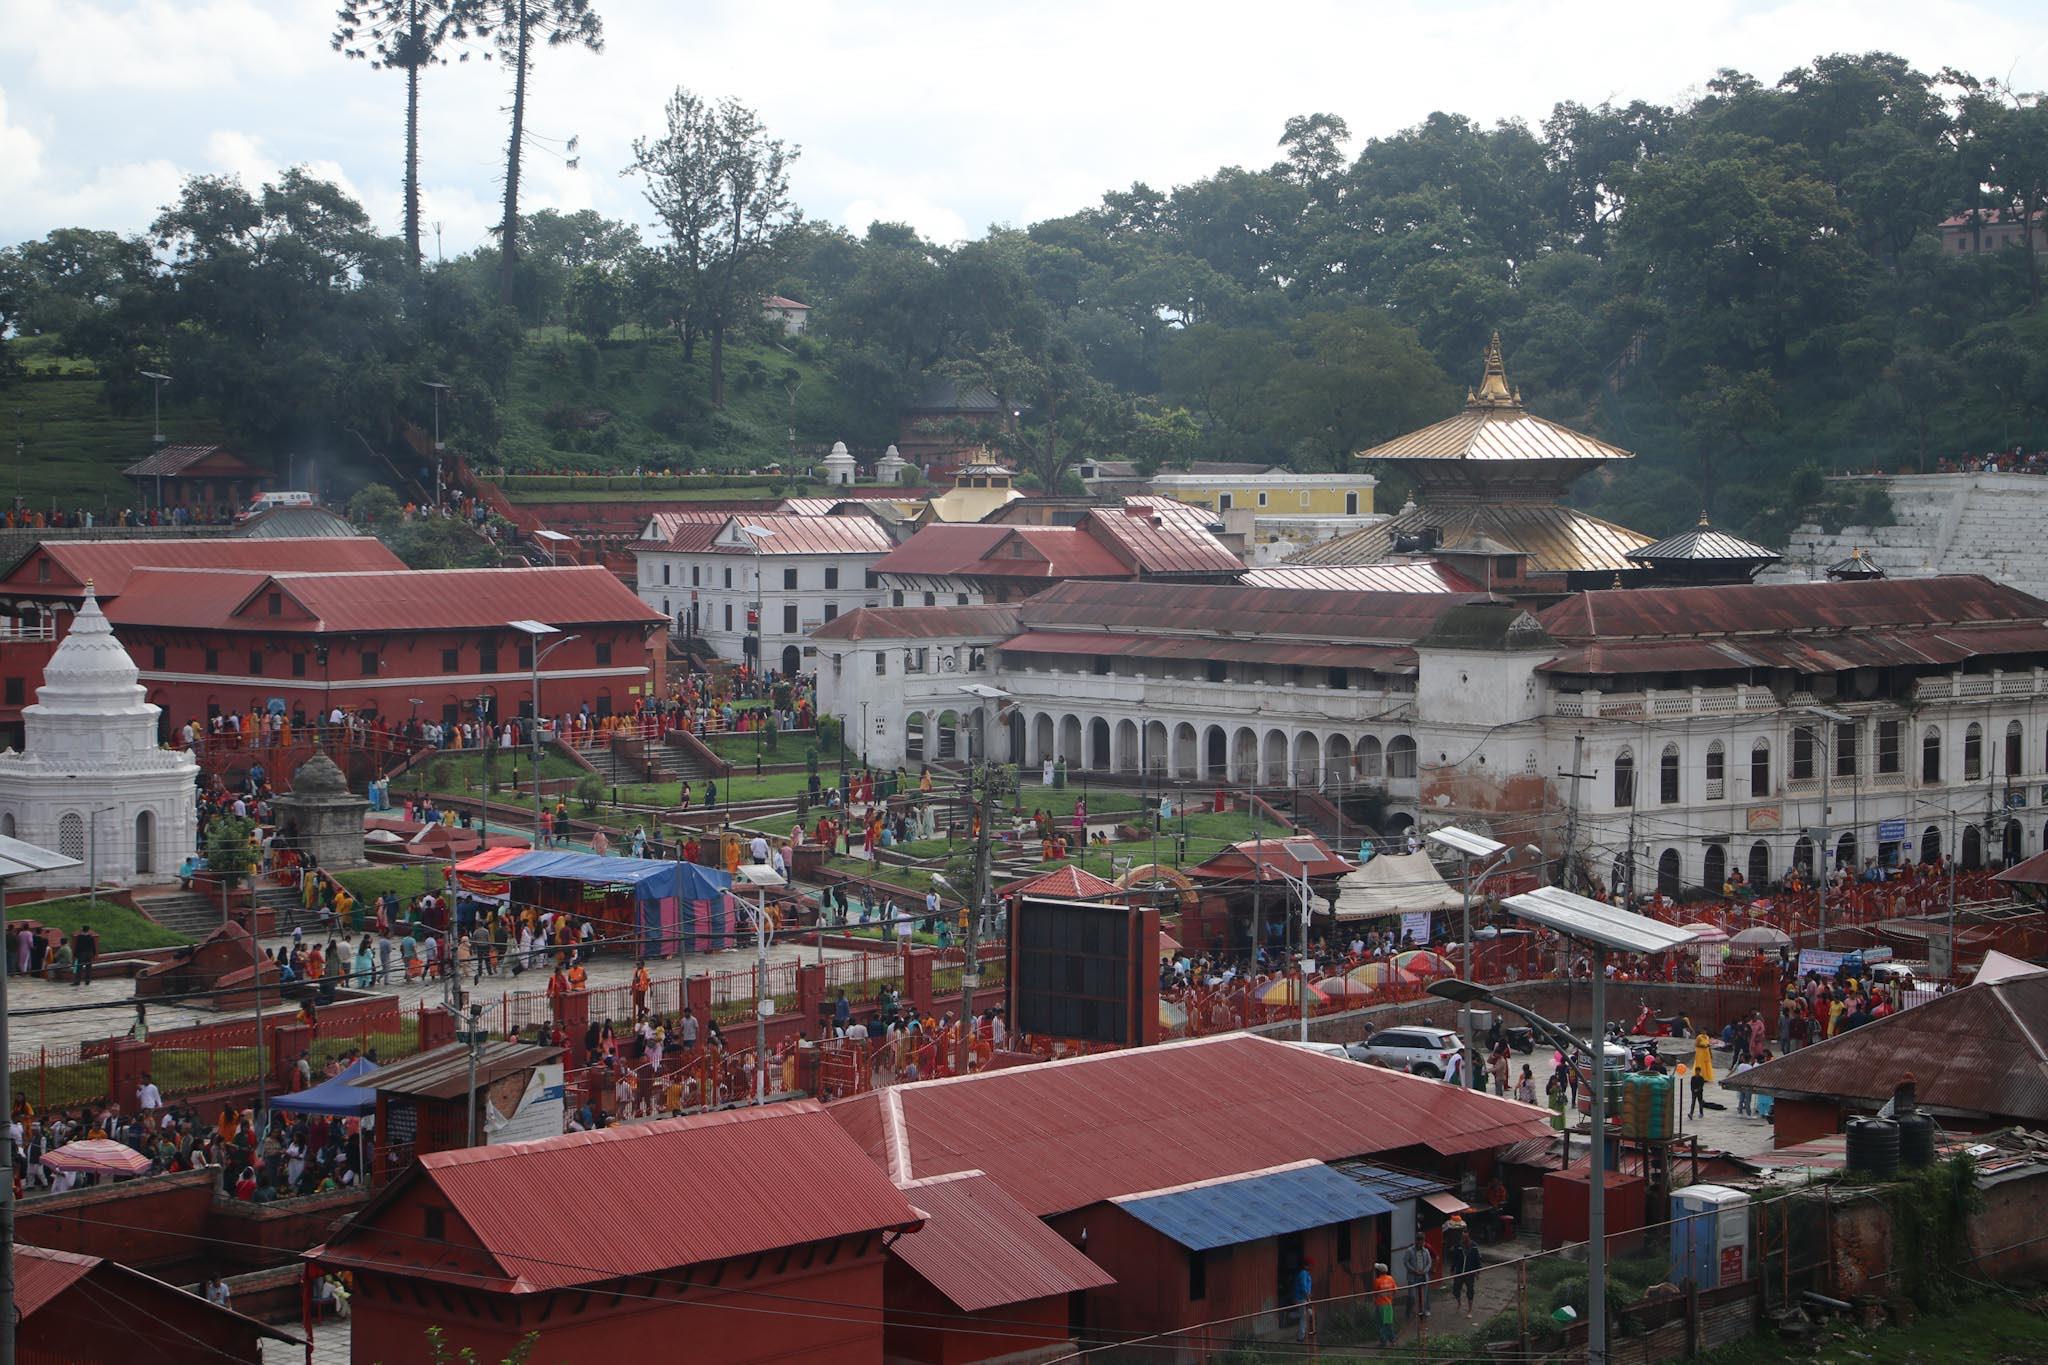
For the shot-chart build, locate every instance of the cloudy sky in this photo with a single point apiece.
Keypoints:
(950, 116)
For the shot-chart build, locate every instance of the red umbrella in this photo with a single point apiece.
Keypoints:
(97, 1156)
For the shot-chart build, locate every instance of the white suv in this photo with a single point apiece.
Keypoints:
(1416, 1048)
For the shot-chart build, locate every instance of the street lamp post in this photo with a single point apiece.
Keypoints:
(156, 419)
(438, 389)
(1468, 846)
(1827, 768)
(761, 876)
(533, 631)
(755, 534)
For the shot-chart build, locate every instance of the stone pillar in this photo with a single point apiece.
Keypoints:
(697, 997)
(127, 1064)
(287, 1041)
(917, 979)
(811, 998)
(572, 1012)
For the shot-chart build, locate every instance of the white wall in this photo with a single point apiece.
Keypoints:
(672, 583)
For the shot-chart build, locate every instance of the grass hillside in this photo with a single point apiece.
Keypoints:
(73, 447)
(574, 407)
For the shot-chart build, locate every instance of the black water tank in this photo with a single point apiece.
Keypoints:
(1874, 1147)
(1916, 1141)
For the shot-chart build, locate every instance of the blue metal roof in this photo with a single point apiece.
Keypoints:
(1385, 1181)
(1253, 1207)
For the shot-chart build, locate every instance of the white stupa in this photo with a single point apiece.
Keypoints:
(839, 466)
(91, 780)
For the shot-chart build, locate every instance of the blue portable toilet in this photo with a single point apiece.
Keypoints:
(1709, 1235)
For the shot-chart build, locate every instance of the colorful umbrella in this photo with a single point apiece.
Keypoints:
(1172, 1018)
(1761, 936)
(1371, 974)
(1281, 991)
(1706, 931)
(97, 1156)
(1421, 962)
(1344, 989)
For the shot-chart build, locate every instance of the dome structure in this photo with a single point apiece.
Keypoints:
(839, 466)
(91, 779)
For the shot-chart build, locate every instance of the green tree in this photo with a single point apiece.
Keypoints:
(229, 857)
(520, 27)
(1354, 378)
(437, 543)
(407, 35)
(374, 504)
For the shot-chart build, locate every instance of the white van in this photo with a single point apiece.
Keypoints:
(267, 501)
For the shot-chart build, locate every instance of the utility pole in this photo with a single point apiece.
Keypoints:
(1571, 808)
(761, 1014)
(984, 818)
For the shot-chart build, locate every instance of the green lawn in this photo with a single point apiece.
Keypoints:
(742, 786)
(367, 883)
(120, 929)
(463, 773)
(527, 497)
(74, 447)
(1992, 1329)
(789, 747)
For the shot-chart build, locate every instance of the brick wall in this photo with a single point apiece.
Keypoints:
(1567, 1002)
(141, 1223)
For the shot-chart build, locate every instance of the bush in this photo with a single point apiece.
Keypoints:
(590, 791)
(228, 855)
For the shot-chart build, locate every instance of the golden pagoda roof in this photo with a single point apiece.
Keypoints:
(1556, 539)
(1494, 426)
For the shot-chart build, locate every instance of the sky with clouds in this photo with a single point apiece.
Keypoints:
(944, 115)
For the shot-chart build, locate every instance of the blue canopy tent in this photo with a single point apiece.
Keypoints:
(336, 1096)
(673, 902)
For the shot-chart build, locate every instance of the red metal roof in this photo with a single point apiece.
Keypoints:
(998, 550)
(991, 621)
(594, 1206)
(408, 599)
(1401, 575)
(1231, 609)
(852, 534)
(110, 563)
(1980, 1050)
(1269, 860)
(1081, 642)
(41, 1274)
(1066, 1134)
(1066, 883)
(1790, 608)
(1159, 542)
(205, 461)
(982, 1249)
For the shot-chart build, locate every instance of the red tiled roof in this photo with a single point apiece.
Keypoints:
(777, 301)
(1001, 550)
(1159, 542)
(586, 1207)
(1066, 1134)
(1268, 613)
(982, 1249)
(41, 1274)
(1383, 658)
(1798, 608)
(1284, 855)
(1067, 883)
(991, 621)
(172, 461)
(109, 563)
(942, 548)
(422, 599)
(1403, 575)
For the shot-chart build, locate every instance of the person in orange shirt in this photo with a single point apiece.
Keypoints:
(578, 978)
(642, 984)
(1383, 1291)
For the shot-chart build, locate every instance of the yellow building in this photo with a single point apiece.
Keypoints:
(1268, 491)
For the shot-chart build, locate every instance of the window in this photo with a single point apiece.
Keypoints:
(960, 599)
(1339, 679)
(664, 573)
(298, 665)
(1845, 750)
(1344, 1243)
(16, 690)
(1262, 499)
(1223, 502)
(1667, 775)
(1624, 778)
(896, 598)
(1351, 504)
(728, 576)
(1888, 746)
(256, 662)
(526, 656)
(789, 578)
(1218, 670)
(872, 581)
(1717, 771)
(1198, 1275)
(1305, 503)
(881, 664)
(728, 616)
(1930, 755)
(931, 599)
(487, 656)
(696, 575)
(71, 836)
(436, 1221)
(838, 668)
(1760, 769)
(213, 661)
(831, 575)
(604, 651)
(451, 660)
(274, 603)
(789, 622)
(156, 656)
(1101, 662)
(1802, 753)
(2014, 759)
(1973, 752)
(369, 663)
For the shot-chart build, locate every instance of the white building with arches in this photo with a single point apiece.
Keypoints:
(90, 780)
(1706, 723)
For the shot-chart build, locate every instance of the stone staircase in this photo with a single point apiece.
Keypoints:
(196, 916)
(1947, 524)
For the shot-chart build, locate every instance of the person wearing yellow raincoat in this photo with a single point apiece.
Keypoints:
(1702, 1072)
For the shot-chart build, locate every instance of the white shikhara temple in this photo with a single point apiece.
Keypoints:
(91, 781)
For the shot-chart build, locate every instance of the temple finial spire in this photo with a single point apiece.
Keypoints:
(1493, 383)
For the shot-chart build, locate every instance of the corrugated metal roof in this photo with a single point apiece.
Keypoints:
(793, 535)
(1399, 575)
(1066, 883)
(405, 600)
(1494, 431)
(1401, 1186)
(1556, 539)
(41, 1274)
(587, 1207)
(296, 523)
(1232, 609)
(110, 563)
(171, 461)
(1160, 542)
(1066, 1134)
(1979, 1050)
(1704, 544)
(1791, 608)
(982, 1249)
(990, 621)
(1384, 658)
(942, 549)
(1252, 1207)
(1271, 860)
(1049, 552)
(443, 1073)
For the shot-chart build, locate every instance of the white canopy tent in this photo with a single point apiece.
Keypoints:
(1394, 884)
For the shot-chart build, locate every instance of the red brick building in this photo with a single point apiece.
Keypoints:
(751, 1234)
(40, 590)
(82, 1310)
(387, 645)
(199, 477)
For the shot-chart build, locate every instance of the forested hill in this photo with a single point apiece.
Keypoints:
(1744, 290)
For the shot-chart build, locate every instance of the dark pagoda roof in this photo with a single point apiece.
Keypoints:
(1701, 543)
(1857, 566)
